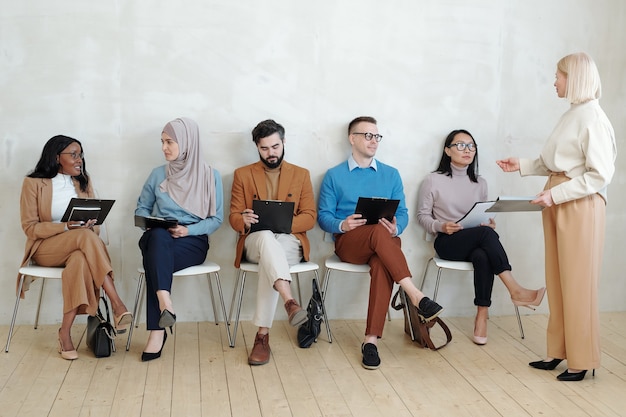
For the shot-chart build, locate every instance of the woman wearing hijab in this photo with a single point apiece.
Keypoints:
(186, 189)
(59, 176)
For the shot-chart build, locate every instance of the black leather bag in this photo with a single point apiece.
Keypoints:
(418, 329)
(310, 329)
(100, 332)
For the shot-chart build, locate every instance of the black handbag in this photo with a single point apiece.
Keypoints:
(310, 329)
(100, 332)
(415, 326)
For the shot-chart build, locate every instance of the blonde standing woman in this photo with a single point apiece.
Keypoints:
(579, 160)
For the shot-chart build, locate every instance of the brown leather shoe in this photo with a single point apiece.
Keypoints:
(260, 354)
(296, 314)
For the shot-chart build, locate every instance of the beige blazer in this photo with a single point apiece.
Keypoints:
(36, 217)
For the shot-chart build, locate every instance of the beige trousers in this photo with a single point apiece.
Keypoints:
(86, 262)
(274, 252)
(574, 242)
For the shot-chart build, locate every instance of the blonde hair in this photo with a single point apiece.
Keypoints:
(583, 79)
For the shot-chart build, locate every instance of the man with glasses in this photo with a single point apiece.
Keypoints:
(271, 178)
(377, 245)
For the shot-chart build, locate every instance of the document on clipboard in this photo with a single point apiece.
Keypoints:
(510, 203)
(274, 215)
(85, 209)
(149, 222)
(375, 208)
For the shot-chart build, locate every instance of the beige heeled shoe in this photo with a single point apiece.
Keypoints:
(479, 340)
(69, 355)
(531, 304)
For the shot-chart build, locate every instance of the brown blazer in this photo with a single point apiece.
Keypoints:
(294, 184)
(36, 216)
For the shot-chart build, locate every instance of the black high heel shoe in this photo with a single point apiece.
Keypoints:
(546, 365)
(574, 376)
(167, 319)
(148, 356)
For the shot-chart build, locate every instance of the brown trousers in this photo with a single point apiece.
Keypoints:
(86, 262)
(574, 241)
(373, 245)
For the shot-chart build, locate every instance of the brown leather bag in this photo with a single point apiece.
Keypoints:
(415, 326)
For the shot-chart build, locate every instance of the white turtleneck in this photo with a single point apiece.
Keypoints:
(446, 199)
(63, 191)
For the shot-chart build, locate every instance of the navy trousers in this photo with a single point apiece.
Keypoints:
(162, 256)
(481, 246)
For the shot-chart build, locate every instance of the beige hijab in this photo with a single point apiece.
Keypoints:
(189, 180)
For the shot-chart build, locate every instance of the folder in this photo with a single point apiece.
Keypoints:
(510, 203)
(149, 222)
(375, 208)
(276, 216)
(84, 209)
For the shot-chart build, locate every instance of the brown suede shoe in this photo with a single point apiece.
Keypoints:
(260, 354)
(296, 314)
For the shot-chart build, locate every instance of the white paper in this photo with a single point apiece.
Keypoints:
(477, 215)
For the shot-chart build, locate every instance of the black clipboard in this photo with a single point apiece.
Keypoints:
(276, 216)
(84, 209)
(375, 208)
(150, 222)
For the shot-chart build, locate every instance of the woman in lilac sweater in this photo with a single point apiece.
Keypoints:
(444, 197)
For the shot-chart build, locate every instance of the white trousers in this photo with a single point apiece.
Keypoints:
(274, 252)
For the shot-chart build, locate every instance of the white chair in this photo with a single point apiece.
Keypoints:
(333, 263)
(207, 268)
(442, 264)
(240, 283)
(35, 271)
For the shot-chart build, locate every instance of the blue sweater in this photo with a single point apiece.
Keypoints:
(154, 202)
(341, 189)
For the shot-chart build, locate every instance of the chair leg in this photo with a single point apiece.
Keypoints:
(324, 289)
(437, 284)
(136, 309)
(208, 276)
(43, 282)
(232, 302)
(17, 304)
(425, 273)
(221, 295)
(239, 293)
(299, 292)
(519, 322)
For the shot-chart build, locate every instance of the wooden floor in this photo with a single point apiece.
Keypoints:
(199, 375)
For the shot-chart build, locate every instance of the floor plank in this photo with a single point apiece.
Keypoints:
(200, 375)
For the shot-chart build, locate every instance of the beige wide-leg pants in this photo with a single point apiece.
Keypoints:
(574, 242)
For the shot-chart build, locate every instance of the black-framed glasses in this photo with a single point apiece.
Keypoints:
(461, 146)
(75, 156)
(369, 136)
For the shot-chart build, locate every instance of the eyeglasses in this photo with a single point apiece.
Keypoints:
(461, 146)
(75, 156)
(369, 136)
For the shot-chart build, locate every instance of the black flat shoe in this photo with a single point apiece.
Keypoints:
(167, 319)
(546, 365)
(148, 356)
(573, 376)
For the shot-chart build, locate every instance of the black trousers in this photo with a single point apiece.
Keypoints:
(481, 246)
(162, 256)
